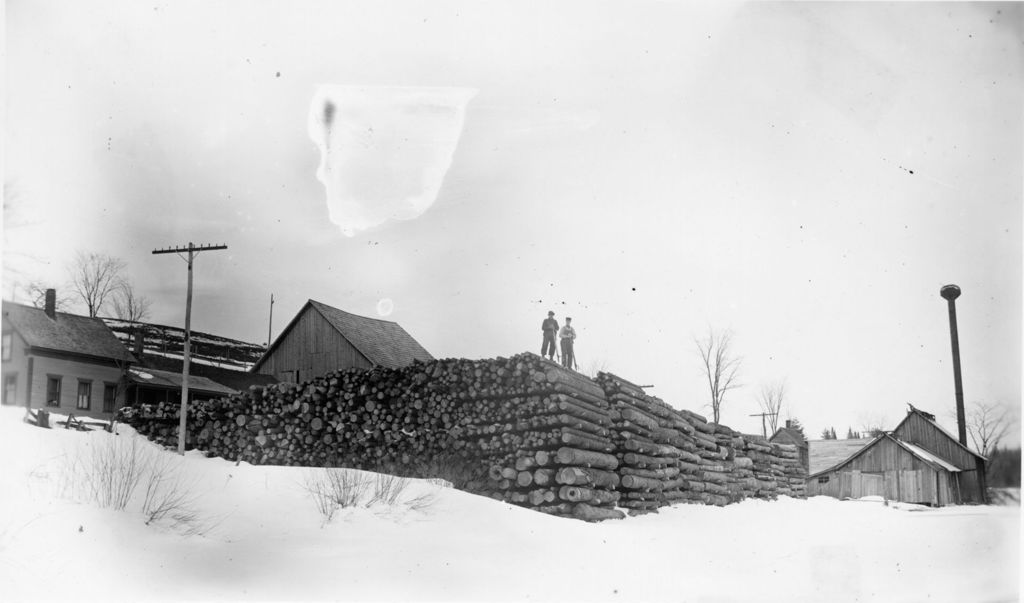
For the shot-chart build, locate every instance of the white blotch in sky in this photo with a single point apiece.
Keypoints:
(385, 307)
(384, 151)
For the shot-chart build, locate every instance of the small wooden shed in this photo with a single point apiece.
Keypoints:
(893, 469)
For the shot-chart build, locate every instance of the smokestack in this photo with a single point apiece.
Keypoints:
(950, 293)
(51, 303)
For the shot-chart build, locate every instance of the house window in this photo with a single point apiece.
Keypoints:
(10, 388)
(53, 390)
(8, 343)
(823, 479)
(84, 395)
(109, 396)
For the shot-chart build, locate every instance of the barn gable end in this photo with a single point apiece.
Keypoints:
(321, 339)
(918, 429)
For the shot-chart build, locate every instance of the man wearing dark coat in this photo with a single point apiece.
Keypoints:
(550, 329)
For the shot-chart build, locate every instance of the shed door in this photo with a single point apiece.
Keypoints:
(917, 487)
(872, 484)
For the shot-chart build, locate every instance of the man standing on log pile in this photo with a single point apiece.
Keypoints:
(568, 337)
(550, 328)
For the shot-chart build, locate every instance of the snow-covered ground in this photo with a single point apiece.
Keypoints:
(263, 538)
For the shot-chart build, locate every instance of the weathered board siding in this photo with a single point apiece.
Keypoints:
(312, 346)
(888, 470)
(917, 430)
(15, 370)
(70, 373)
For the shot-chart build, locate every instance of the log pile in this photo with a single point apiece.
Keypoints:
(520, 429)
(655, 447)
(550, 449)
(794, 477)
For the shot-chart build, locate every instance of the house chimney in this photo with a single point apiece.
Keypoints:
(789, 424)
(51, 303)
(950, 293)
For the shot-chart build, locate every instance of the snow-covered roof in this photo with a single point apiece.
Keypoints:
(171, 380)
(169, 342)
(927, 456)
(825, 454)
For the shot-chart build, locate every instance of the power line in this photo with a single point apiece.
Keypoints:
(193, 251)
(764, 429)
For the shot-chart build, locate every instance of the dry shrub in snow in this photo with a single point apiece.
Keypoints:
(126, 474)
(332, 489)
(168, 498)
(106, 473)
(446, 470)
(387, 489)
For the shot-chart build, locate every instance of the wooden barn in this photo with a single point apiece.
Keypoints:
(321, 339)
(918, 462)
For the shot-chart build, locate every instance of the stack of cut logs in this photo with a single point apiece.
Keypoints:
(794, 477)
(550, 449)
(538, 435)
(656, 448)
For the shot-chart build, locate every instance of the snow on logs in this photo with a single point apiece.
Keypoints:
(520, 429)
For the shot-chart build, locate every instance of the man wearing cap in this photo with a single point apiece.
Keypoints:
(550, 328)
(568, 336)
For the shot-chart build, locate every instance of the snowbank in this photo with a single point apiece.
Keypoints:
(265, 540)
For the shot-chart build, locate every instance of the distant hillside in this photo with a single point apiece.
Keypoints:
(169, 342)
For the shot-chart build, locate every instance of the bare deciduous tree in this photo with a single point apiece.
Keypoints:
(18, 265)
(594, 367)
(129, 305)
(37, 295)
(771, 398)
(872, 423)
(987, 424)
(94, 277)
(720, 366)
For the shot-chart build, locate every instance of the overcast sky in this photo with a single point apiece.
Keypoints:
(806, 175)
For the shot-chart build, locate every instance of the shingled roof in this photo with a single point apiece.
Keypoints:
(383, 343)
(829, 453)
(65, 333)
(794, 436)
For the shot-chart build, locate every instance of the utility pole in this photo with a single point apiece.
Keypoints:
(764, 428)
(270, 325)
(193, 251)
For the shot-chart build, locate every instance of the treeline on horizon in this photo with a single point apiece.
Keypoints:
(1004, 468)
